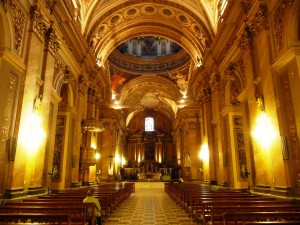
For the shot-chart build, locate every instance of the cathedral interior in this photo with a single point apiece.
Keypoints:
(117, 90)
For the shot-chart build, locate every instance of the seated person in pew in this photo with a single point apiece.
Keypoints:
(91, 199)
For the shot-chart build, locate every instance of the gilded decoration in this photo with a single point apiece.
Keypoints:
(19, 21)
(149, 10)
(82, 84)
(52, 40)
(167, 12)
(50, 5)
(290, 120)
(235, 71)
(57, 68)
(193, 125)
(183, 19)
(131, 12)
(260, 20)
(123, 15)
(235, 80)
(204, 95)
(288, 106)
(214, 81)
(146, 66)
(246, 40)
(115, 19)
(39, 24)
(279, 20)
(58, 148)
(240, 147)
(9, 107)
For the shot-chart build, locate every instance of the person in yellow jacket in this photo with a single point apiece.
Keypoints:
(97, 212)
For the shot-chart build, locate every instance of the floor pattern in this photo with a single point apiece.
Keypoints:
(149, 205)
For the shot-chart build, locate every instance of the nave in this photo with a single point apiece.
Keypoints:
(149, 204)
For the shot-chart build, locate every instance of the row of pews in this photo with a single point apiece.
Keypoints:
(65, 207)
(225, 206)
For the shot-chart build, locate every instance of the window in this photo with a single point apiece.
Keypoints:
(221, 8)
(149, 124)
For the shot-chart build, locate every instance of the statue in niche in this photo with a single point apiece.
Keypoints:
(187, 160)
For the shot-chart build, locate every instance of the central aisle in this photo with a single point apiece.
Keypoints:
(149, 205)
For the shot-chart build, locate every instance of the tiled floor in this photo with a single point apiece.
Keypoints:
(149, 205)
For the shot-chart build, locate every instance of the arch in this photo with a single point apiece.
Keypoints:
(162, 123)
(182, 37)
(234, 86)
(291, 34)
(181, 23)
(5, 35)
(58, 84)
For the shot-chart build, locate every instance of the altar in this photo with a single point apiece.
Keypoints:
(151, 176)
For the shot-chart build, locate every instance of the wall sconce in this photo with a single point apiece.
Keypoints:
(97, 156)
(204, 153)
(34, 134)
(264, 131)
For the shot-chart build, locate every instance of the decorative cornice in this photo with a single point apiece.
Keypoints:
(285, 58)
(139, 66)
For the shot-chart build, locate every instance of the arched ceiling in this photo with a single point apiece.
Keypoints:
(191, 24)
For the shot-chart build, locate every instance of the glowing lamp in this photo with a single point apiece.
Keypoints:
(264, 131)
(204, 153)
(97, 155)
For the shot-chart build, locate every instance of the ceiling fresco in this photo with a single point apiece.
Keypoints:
(151, 48)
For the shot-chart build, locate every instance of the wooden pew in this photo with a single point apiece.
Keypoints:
(68, 203)
(215, 213)
(49, 218)
(76, 212)
(243, 217)
(61, 201)
(201, 205)
(273, 223)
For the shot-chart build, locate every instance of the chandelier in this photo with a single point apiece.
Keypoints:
(92, 125)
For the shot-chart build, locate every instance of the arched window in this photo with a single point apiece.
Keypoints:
(221, 8)
(149, 124)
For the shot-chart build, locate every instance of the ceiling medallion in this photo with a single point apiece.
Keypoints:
(183, 19)
(132, 12)
(115, 19)
(165, 12)
(149, 10)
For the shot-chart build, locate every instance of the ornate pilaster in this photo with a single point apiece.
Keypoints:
(44, 33)
(51, 40)
(246, 40)
(260, 20)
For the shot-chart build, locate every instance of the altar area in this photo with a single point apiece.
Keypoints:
(147, 174)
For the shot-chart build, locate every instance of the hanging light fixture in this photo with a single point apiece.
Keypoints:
(92, 125)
